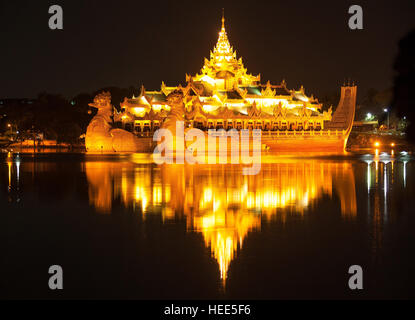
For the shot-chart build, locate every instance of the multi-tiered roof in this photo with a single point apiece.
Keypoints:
(223, 84)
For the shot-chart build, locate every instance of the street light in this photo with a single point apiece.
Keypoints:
(387, 111)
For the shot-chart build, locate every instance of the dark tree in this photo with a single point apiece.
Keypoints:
(55, 116)
(404, 86)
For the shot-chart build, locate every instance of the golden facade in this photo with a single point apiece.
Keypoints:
(225, 96)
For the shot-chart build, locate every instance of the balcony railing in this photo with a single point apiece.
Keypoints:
(276, 134)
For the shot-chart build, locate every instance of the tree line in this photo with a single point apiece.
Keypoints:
(53, 115)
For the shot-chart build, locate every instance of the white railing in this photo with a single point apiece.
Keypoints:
(310, 133)
(281, 134)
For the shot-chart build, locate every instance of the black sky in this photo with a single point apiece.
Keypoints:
(123, 43)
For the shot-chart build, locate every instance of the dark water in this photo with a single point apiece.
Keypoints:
(122, 227)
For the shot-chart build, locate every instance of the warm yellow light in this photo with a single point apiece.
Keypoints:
(377, 144)
(304, 99)
(392, 144)
(141, 195)
(157, 107)
(157, 195)
(208, 79)
(208, 195)
(139, 111)
(209, 108)
(9, 125)
(223, 213)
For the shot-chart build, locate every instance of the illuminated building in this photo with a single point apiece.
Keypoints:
(225, 96)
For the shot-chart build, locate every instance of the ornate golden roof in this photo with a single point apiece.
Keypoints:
(223, 63)
(225, 83)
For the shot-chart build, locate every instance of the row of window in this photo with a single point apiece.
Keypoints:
(266, 127)
(149, 126)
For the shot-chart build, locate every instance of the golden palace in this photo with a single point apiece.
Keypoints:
(224, 96)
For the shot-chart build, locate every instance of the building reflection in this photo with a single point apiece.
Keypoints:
(217, 200)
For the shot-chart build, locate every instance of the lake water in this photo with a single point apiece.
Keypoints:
(122, 227)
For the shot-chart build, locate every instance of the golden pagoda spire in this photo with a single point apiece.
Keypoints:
(223, 50)
(223, 63)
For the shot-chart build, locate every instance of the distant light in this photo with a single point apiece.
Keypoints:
(392, 144)
(377, 144)
(404, 118)
(385, 110)
(369, 116)
(9, 125)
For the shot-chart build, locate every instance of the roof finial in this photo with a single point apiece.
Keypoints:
(223, 18)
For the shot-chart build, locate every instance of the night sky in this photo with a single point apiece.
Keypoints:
(129, 43)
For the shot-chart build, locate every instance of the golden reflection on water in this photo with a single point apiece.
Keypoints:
(217, 200)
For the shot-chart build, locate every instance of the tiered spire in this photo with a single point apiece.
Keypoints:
(223, 64)
(223, 50)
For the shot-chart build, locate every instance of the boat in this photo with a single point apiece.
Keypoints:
(224, 96)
